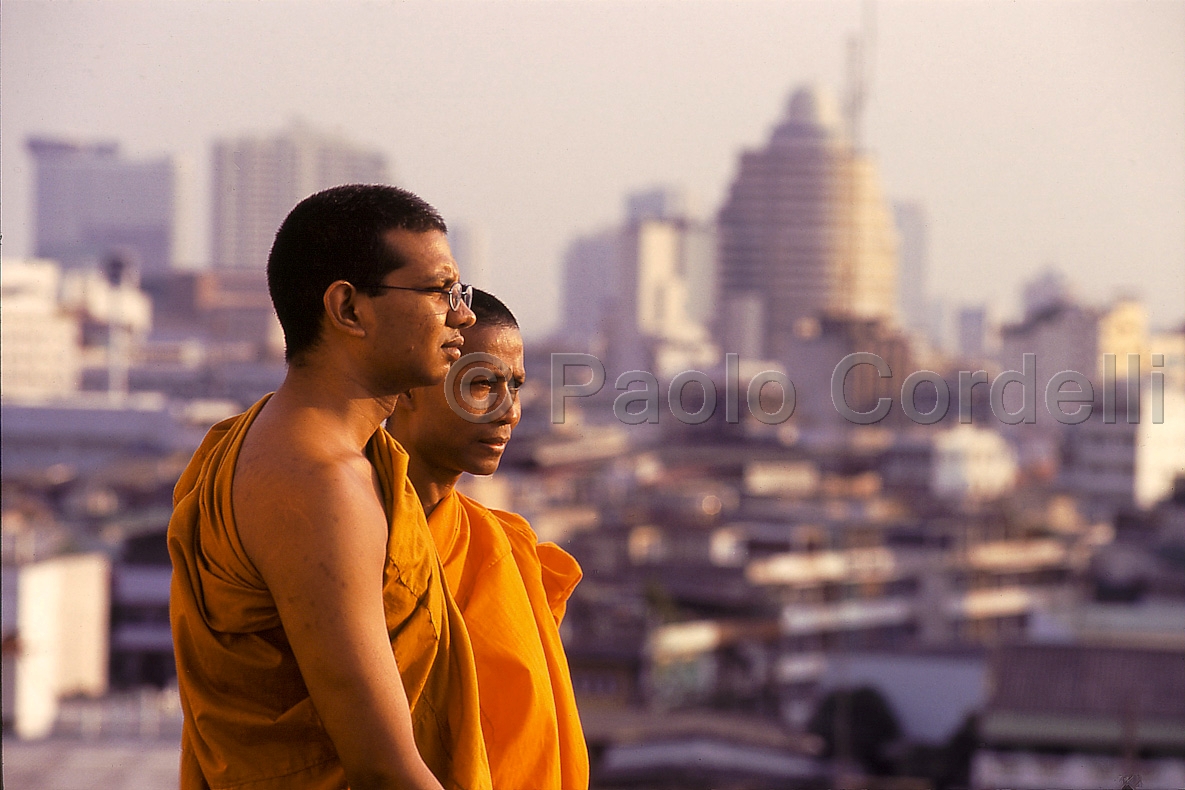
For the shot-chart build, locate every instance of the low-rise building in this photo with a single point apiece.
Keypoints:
(40, 338)
(972, 463)
(56, 637)
(1083, 716)
(1120, 459)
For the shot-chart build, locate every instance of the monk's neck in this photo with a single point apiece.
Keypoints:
(328, 404)
(431, 485)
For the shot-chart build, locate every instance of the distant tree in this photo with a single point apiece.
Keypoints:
(957, 755)
(660, 604)
(948, 767)
(868, 721)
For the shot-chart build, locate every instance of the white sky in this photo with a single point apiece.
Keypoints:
(1033, 133)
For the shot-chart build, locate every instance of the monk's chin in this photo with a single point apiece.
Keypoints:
(484, 466)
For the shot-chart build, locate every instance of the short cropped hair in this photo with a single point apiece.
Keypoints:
(490, 311)
(337, 234)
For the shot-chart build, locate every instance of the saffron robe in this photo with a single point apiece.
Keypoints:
(513, 592)
(249, 722)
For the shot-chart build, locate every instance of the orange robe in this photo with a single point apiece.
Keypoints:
(513, 592)
(248, 720)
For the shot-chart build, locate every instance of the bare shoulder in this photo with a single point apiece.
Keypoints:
(310, 518)
(299, 498)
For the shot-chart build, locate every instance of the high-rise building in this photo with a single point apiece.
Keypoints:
(1066, 335)
(644, 292)
(696, 252)
(257, 181)
(470, 245)
(1045, 293)
(1110, 465)
(1105, 348)
(805, 232)
(90, 202)
(976, 333)
(910, 219)
(651, 327)
(590, 283)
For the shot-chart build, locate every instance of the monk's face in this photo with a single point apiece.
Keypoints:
(447, 442)
(419, 334)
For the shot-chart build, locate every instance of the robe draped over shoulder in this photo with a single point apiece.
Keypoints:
(248, 719)
(513, 592)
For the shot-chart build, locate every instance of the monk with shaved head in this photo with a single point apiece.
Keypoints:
(317, 644)
(512, 590)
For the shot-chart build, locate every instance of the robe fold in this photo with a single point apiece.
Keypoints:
(249, 722)
(512, 592)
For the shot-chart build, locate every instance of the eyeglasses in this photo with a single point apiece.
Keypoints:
(458, 293)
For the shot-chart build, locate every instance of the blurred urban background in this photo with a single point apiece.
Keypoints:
(987, 602)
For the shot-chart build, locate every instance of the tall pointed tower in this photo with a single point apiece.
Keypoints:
(805, 233)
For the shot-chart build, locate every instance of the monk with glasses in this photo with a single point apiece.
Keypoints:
(317, 644)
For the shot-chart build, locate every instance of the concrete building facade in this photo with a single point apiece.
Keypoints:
(805, 230)
(257, 180)
(972, 463)
(90, 202)
(40, 341)
(910, 219)
(642, 294)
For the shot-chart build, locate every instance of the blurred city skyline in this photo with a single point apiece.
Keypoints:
(1034, 135)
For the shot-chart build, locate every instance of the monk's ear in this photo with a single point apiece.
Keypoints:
(342, 308)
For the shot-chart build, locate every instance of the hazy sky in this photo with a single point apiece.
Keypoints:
(1033, 133)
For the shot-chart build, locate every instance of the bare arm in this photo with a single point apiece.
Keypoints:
(318, 536)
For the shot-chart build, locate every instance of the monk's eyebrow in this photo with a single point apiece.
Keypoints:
(444, 277)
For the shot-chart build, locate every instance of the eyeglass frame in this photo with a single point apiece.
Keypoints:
(458, 293)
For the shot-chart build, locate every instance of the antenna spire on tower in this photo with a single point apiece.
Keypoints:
(859, 73)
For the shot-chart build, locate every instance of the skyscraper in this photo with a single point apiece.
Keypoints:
(805, 232)
(696, 253)
(257, 180)
(90, 202)
(974, 333)
(470, 245)
(910, 219)
(642, 293)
